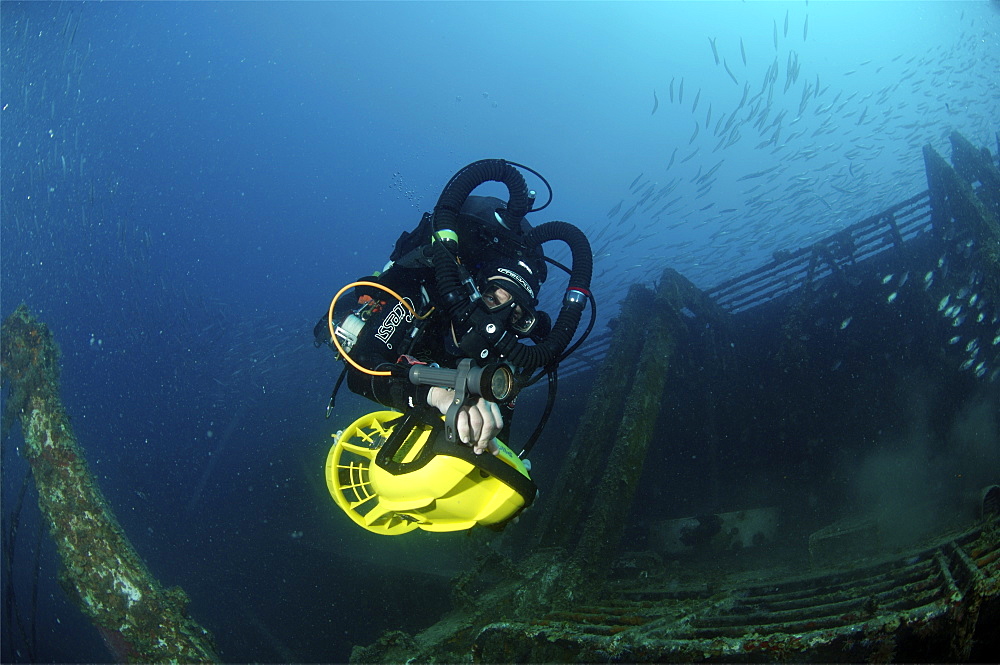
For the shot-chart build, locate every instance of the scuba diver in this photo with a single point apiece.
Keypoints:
(451, 326)
(507, 275)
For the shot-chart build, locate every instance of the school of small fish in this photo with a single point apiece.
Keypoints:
(792, 156)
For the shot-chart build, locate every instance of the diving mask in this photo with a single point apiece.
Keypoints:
(499, 293)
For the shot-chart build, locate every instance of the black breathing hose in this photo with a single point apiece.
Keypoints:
(449, 278)
(445, 219)
(539, 355)
(457, 190)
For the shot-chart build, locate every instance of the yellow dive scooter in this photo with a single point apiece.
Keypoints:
(393, 473)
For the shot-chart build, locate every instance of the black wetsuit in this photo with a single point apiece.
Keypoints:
(388, 334)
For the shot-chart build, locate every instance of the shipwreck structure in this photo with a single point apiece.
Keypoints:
(751, 406)
(139, 620)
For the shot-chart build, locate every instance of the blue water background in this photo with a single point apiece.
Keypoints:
(185, 185)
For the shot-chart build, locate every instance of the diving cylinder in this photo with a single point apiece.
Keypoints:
(347, 332)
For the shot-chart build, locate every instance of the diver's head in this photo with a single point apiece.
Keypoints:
(511, 284)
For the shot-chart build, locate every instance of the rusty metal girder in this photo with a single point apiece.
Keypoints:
(924, 606)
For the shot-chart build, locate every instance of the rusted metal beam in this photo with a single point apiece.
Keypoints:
(977, 165)
(922, 606)
(562, 520)
(953, 198)
(658, 326)
(139, 620)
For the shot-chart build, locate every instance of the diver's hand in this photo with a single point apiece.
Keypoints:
(477, 424)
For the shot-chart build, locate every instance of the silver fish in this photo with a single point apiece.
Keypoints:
(729, 71)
